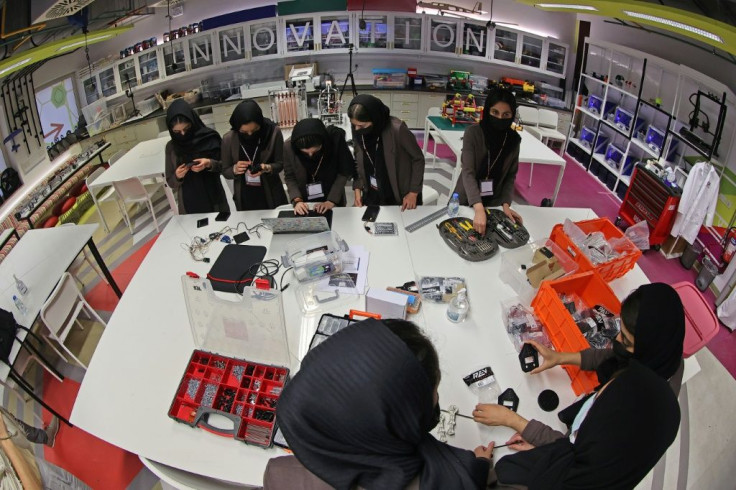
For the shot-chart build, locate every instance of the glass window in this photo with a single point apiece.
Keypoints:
(200, 52)
(232, 45)
(531, 54)
(407, 33)
(107, 82)
(505, 45)
(299, 35)
(335, 32)
(375, 34)
(475, 40)
(174, 57)
(443, 36)
(148, 65)
(263, 39)
(128, 78)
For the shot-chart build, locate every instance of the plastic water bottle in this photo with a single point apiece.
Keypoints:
(453, 207)
(458, 308)
(20, 306)
(20, 286)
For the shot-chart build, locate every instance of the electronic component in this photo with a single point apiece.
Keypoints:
(529, 358)
(506, 233)
(459, 234)
(548, 400)
(202, 222)
(241, 237)
(222, 216)
(385, 229)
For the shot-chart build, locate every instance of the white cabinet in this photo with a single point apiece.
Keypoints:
(335, 32)
(127, 73)
(374, 36)
(406, 32)
(443, 36)
(555, 58)
(108, 84)
(149, 65)
(474, 41)
(91, 89)
(298, 33)
(262, 37)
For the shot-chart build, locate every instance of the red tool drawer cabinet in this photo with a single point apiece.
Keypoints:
(649, 198)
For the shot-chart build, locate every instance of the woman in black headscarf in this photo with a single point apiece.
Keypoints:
(389, 162)
(490, 159)
(621, 430)
(252, 155)
(193, 161)
(317, 165)
(358, 415)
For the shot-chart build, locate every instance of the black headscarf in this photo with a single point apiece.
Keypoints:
(201, 191)
(199, 142)
(359, 412)
(659, 334)
(310, 127)
(378, 112)
(627, 430)
(493, 137)
(249, 111)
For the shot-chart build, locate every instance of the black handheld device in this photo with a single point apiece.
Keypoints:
(202, 222)
(222, 216)
(371, 213)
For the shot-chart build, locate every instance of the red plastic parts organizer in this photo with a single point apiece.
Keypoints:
(610, 270)
(561, 328)
(243, 393)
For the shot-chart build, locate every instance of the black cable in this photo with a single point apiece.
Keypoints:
(281, 282)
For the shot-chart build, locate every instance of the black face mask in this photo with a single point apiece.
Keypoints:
(619, 350)
(364, 131)
(500, 124)
(248, 138)
(182, 138)
(316, 156)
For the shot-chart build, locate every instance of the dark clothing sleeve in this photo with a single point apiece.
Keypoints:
(472, 145)
(507, 189)
(539, 434)
(227, 162)
(290, 173)
(170, 167)
(408, 143)
(591, 358)
(346, 167)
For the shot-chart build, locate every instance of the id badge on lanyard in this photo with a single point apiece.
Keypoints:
(314, 191)
(486, 187)
(252, 180)
(374, 182)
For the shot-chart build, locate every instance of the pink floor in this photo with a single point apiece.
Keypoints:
(581, 189)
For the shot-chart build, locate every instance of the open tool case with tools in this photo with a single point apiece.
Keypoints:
(233, 379)
(459, 234)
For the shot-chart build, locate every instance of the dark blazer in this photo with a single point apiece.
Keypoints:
(175, 184)
(296, 175)
(474, 161)
(404, 161)
(273, 154)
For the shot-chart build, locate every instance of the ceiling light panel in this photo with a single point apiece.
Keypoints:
(675, 24)
(567, 6)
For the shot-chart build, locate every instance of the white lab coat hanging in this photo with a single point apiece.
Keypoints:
(698, 202)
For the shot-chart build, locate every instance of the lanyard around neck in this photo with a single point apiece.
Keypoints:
(373, 164)
(490, 166)
(314, 175)
(251, 159)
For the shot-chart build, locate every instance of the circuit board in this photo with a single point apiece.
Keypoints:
(459, 234)
(507, 233)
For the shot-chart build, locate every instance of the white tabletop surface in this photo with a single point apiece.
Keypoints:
(132, 378)
(146, 159)
(38, 259)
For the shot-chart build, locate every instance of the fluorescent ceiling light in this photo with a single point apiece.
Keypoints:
(675, 24)
(82, 43)
(565, 6)
(14, 66)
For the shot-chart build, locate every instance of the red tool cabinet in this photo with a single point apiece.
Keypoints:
(649, 198)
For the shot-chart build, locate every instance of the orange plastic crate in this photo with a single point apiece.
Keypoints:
(609, 271)
(561, 328)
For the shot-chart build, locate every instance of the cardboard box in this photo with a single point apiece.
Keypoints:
(544, 270)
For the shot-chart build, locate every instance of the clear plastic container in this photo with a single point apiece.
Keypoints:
(315, 256)
(453, 207)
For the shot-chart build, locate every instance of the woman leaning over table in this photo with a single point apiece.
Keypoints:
(389, 162)
(317, 165)
(617, 433)
(193, 161)
(490, 159)
(252, 156)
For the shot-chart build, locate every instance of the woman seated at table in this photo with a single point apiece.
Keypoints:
(358, 415)
(619, 432)
(252, 156)
(193, 161)
(490, 159)
(317, 165)
(389, 162)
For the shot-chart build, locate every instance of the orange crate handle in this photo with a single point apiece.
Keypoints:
(366, 314)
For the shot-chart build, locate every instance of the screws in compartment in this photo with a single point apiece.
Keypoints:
(209, 395)
(257, 384)
(252, 398)
(264, 415)
(238, 372)
(220, 364)
(192, 387)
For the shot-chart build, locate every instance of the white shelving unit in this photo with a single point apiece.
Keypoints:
(659, 99)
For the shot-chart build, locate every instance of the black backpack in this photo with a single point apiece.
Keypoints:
(9, 181)
(8, 329)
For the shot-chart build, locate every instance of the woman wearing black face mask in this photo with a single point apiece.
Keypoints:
(317, 166)
(646, 357)
(490, 159)
(389, 162)
(358, 415)
(252, 156)
(193, 162)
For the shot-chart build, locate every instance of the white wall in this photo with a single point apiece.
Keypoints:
(663, 47)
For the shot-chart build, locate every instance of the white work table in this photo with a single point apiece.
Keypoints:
(144, 160)
(532, 151)
(133, 376)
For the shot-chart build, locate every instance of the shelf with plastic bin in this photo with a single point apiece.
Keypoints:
(613, 126)
(587, 112)
(642, 146)
(621, 91)
(580, 144)
(240, 391)
(600, 158)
